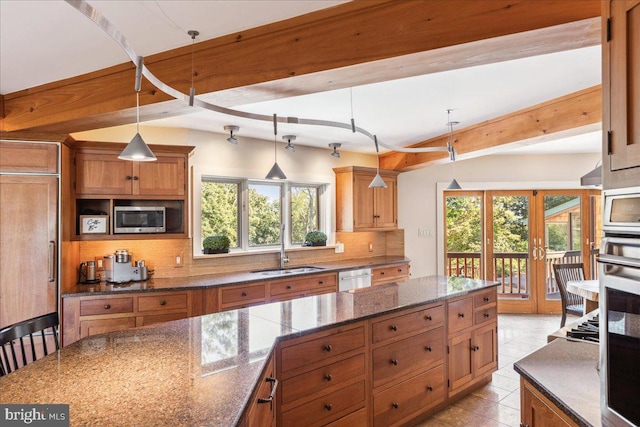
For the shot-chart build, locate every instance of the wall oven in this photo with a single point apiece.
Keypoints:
(619, 275)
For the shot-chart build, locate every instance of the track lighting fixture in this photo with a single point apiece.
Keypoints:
(377, 181)
(137, 150)
(232, 138)
(335, 146)
(275, 172)
(289, 138)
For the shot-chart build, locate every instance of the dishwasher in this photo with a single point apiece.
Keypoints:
(354, 279)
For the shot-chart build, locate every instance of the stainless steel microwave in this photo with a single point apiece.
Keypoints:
(139, 219)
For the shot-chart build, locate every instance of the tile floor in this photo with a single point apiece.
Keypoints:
(498, 403)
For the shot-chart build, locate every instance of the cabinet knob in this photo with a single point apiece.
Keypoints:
(321, 282)
(461, 315)
(399, 270)
(328, 377)
(485, 299)
(429, 388)
(327, 348)
(382, 273)
(428, 348)
(394, 362)
(428, 317)
(328, 406)
(244, 294)
(475, 348)
(393, 327)
(107, 306)
(135, 178)
(163, 302)
(128, 177)
(288, 286)
(395, 405)
(486, 315)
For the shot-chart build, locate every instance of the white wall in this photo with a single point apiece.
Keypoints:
(420, 193)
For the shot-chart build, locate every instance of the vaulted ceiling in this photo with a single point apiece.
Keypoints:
(516, 73)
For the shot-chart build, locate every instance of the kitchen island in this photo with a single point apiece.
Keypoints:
(207, 370)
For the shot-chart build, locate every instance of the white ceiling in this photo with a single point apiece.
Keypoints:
(44, 41)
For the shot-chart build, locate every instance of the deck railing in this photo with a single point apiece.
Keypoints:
(510, 269)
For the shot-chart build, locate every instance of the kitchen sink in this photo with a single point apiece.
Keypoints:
(286, 271)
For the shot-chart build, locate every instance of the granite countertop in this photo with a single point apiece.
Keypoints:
(566, 372)
(202, 370)
(213, 280)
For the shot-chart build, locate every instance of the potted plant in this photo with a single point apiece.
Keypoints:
(315, 238)
(218, 244)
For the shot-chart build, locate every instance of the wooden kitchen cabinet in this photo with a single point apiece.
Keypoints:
(262, 406)
(621, 93)
(29, 223)
(240, 296)
(538, 411)
(84, 316)
(390, 274)
(361, 208)
(302, 286)
(473, 346)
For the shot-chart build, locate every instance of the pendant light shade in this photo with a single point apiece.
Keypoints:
(276, 172)
(377, 182)
(454, 185)
(592, 178)
(137, 150)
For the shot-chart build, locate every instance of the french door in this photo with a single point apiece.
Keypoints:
(515, 237)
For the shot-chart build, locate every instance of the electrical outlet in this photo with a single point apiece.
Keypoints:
(339, 248)
(370, 247)
(178, 261)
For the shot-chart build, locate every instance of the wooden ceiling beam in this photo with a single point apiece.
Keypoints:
(353, 33)
(576, 110)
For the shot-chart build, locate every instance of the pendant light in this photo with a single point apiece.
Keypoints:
(592, 178)
(275, 172)
(377, 182)
(192, 90)
(452, 152)
(137, 150)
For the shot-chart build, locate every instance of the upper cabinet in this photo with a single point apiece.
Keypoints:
(621, 93)
(361, 208)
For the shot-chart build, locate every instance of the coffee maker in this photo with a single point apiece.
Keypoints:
(87, 272)
(118, 268)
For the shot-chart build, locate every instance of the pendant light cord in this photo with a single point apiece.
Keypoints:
(138, 111)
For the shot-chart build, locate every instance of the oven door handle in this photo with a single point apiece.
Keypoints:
(619, 260)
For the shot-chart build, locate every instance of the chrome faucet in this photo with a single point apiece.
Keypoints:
(283, 256)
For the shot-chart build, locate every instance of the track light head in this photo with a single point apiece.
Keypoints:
(289, 138)
(335, 146)
(232, 139)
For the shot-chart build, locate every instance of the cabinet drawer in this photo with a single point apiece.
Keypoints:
(412, 354)
(302, 284)
(102, 326)
(162, 302)
(413, 322)
(106, 306)
(242, 294)
(317, 381)
(460, 314)
(316, 350)
(485, 314)
(390, 274)
(150, 319)
(327, 409)
(485, 298)
(354, 419)
(414, 395)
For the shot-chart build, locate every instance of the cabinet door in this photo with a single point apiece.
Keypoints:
(163, 177)
(363, 202)
(385, 210)
(460, 361)
(485, 349)
(28, 247)
(262, 409)
(536, 413)
(623, 89)
(103, 174)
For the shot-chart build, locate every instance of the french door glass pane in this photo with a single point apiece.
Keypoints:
(511, 267)
(562, 237)
(464, 236)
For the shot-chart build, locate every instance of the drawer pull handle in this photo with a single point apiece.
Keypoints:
(163, 302)
(486, 315)
(395, 405)
(321, 282)
(428, 317)
(393, 327)
(461, 315)
(273, 391)
(107, 306)
(288, 286)
(328, 377)
(244, 294)
(486, 299)
(399, 270)
(328, 406)
(382, 273)
(429, 388)
(327, 348)
(394, 362)
(428, 348)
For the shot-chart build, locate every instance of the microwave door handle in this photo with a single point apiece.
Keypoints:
(619, 260)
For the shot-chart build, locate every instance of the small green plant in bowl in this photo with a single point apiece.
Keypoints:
(218, 244)
(315, 238)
